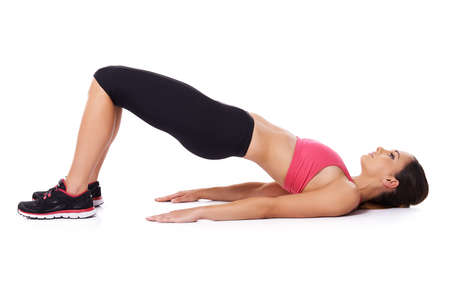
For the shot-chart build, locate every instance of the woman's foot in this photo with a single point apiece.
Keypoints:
(94, 187)
(57, 203)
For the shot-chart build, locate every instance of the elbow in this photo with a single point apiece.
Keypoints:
(342, 211)
(346, 206)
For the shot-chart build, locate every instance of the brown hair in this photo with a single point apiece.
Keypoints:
(412, 189)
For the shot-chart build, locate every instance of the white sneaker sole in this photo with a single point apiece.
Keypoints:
(66, 214)
(98, 201)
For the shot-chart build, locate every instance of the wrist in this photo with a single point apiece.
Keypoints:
(208, 193)
(200, 212)
(202, 193)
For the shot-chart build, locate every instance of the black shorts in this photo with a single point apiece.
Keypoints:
(206, 127)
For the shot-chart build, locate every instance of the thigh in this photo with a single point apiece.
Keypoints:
(206, 127)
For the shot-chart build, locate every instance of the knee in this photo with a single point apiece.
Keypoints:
(104, 81)
(112, 79)
(105, 71)
(109, 76)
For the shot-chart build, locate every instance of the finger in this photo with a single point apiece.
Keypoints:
(179, 199)
(168, 197)
(165, 198)
(185, 198)
(154, 217)
(160, 218)
(168, 219)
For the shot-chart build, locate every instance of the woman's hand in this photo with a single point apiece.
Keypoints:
(178, 216)
(182, 196)
(244, 209)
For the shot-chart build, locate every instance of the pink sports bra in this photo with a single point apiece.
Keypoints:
(309, 158)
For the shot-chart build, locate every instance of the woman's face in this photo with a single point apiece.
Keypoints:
(383, 164)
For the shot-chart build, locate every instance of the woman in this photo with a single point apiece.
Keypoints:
(310, 179)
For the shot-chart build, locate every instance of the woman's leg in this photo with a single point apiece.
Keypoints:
(94, 136)
(206, 127)
(94, 173)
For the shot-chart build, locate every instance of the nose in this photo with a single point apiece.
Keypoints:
(379, 149)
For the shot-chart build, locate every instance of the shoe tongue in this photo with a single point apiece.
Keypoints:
(62, 184)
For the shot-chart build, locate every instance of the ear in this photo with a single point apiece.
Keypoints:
(390, 182)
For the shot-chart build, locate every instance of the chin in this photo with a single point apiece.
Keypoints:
(366, 156)
(363, 160)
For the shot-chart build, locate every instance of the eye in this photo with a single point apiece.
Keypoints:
(392, 155)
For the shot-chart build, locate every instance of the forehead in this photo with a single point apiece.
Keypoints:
(405, 156)
(404, 153)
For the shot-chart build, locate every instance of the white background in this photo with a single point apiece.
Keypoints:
(352, 74)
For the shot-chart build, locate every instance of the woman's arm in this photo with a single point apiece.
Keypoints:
(227, 193)
(334, 200)
(242, 190)
(248, 208)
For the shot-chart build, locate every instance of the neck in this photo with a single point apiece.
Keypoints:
(365, 186)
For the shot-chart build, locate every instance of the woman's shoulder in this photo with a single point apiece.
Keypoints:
(340, 189)
(347, 190)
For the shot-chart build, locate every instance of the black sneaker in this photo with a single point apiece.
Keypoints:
(57, 203)
(96, 192)
(94, 187)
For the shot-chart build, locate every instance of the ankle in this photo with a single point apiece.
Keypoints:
(75, 188)
(92, 180)
(93, 177)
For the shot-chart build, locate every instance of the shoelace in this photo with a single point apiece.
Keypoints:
(47, 194)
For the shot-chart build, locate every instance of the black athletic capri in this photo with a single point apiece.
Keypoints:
(206, 127)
